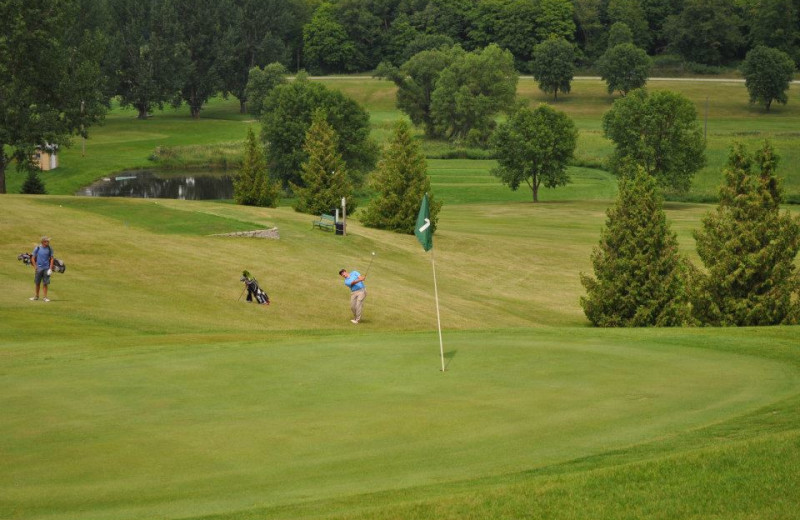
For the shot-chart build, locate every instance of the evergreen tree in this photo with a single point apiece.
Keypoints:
(33, 185)
(324, 173)
(252, 186)
(639, 276)
(401, 180)
(748, 248)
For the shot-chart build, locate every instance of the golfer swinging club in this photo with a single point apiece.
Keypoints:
(358, 292)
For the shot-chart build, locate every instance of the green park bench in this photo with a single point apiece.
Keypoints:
(327, 222)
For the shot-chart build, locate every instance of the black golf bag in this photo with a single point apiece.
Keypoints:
(27, 258)
(254, 292)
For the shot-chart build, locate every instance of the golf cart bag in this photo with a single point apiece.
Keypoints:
(58, 265)
(254, 292)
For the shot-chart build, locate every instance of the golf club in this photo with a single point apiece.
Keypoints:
(370, 264)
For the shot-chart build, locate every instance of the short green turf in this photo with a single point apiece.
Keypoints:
(147, 387)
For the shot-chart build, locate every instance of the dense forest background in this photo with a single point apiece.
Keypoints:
(214, 43)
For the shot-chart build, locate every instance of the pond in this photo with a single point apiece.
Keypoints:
(154, 184)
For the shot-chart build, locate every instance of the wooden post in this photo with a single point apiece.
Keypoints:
(344, 217)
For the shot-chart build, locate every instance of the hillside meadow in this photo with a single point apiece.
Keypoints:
(124, 142)
(148, 389)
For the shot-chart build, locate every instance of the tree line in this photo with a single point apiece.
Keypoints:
(62, 61)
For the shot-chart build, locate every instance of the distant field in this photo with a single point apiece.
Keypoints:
(124, 142)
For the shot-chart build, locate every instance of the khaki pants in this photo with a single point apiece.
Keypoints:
(357, 302)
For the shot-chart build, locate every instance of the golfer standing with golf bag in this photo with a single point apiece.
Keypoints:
(42, 261)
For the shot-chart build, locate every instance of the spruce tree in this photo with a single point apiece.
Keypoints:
(401, 180)
(33, 185)
(748, 248)
(252, 185)
(639, 275)
(324, 173)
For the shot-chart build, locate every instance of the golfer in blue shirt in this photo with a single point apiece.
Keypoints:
(358, 292)
(42, 262)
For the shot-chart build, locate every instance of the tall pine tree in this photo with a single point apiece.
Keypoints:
(639, 275)
(324, 174)
(748, 248)
(401, 180)
(252, 185)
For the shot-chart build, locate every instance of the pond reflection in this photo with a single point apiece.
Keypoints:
(202, 185)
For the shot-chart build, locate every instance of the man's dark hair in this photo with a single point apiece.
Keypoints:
(341, 271)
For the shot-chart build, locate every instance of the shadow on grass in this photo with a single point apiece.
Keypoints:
(449, 357)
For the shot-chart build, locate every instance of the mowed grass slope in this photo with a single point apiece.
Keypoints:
(146, 390)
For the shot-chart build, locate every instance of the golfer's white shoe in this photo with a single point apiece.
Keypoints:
(354, 321)
(33, 298)
(46, 300)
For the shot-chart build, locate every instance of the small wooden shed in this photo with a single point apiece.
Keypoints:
(46, 157)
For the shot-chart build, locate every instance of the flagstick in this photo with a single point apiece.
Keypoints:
(438, 318)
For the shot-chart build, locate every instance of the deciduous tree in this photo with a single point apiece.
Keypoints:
(259, 33)
(705, 31)
(327, 46)
(639, 276)
(202, 23)
(50, 82)
(400, 181)
(767, 75)
(618, 34)
(416, 80)
(152, 60)
(507, 24)
(260, 84)
(632, 14)
(471, 92)
(748, 248)
(553, 66)
(774, 23)
(658, 131)
(624, 67)
(287, 117)
(534, 147)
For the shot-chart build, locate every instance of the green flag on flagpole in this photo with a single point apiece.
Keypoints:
(423, 228)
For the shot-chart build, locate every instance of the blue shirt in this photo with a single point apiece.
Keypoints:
(352, 278)
(42, 257)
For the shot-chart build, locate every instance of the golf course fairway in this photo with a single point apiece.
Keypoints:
(145, 389)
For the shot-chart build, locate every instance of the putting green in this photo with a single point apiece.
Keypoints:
(176, 426)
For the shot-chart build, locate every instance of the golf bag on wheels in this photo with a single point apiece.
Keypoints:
(254, 292)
